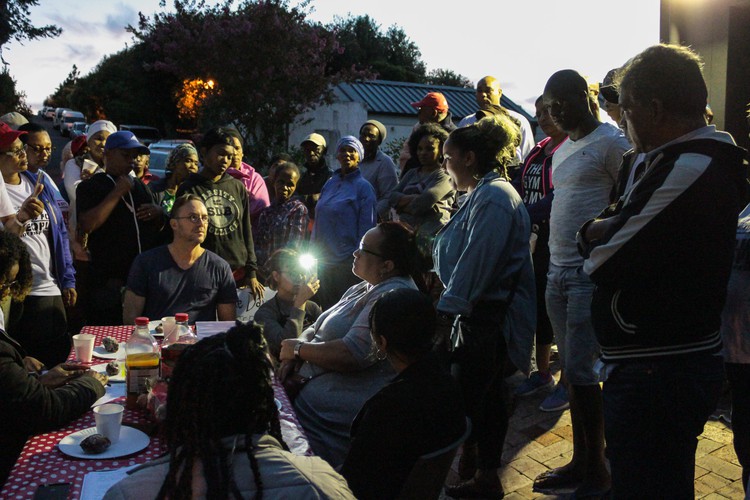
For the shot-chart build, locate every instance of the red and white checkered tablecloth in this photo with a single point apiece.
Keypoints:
(41, 462)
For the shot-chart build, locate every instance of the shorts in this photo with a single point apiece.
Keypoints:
(569, 294)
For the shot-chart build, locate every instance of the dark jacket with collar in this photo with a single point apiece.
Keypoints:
(28, 407)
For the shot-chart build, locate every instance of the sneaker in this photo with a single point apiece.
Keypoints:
(557, 400)
(534, 383)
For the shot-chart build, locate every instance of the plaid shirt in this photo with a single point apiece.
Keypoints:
(280, 226)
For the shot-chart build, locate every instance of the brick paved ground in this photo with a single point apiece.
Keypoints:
(538, 441)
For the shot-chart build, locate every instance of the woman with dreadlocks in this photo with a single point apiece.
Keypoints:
(223, 432)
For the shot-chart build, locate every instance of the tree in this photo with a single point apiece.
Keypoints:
(123, 90)
(10, 98)
(387, 56)
(268, 64)
(16, 25)
(448, 78)
(61, 97)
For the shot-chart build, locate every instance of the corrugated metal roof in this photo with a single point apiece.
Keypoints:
(389, 97)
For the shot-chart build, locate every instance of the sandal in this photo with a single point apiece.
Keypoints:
(556, 479)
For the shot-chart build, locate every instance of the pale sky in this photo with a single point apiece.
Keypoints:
(521, 43)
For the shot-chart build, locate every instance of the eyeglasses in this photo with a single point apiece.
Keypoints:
(40, 149)
(19, 152)
(7, 286)
(364, 250)
(195, 219)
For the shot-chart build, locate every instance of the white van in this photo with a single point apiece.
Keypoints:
(67, 120)
(57, 116)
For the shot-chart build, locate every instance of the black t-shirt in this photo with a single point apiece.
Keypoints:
(115, 243)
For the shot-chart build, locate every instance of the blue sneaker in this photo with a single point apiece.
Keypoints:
(534, 383)
(557, 400)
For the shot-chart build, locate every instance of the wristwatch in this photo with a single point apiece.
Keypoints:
(297, 348)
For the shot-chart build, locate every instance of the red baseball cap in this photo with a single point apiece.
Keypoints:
(8, 135)
(434, 100)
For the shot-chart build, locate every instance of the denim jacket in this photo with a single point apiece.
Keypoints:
(483, 248)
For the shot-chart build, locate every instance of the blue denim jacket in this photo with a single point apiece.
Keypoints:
(483, 247)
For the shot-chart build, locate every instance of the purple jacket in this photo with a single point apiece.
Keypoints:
(62, 261)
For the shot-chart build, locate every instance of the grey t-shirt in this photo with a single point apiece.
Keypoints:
(328, 403)
(583, 173)
(169, 290)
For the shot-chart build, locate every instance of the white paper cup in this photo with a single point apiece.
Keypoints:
(83, 343)
(170, 328)
(109, 421)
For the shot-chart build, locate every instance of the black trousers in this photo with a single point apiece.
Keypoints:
(39, 324)
(478, 366)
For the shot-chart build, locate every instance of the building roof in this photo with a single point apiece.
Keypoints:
(393, 98)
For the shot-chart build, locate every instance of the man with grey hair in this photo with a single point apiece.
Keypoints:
(661, 264)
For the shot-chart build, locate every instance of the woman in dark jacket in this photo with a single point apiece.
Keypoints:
(30, 401)
(419, 412)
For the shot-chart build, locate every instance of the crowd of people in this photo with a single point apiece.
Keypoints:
(434, 277)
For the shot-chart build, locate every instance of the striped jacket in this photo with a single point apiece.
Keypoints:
(661, 270)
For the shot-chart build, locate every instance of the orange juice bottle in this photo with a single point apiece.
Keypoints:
(142, 361)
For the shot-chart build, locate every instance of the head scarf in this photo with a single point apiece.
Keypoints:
(179, 154)
(100, 125)
(352, 142)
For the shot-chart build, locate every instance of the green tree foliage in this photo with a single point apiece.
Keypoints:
(16, 25)
(10, 98)
(123, 90)
(267, 61)
(386, 56)
(61, 97)
(448, 78)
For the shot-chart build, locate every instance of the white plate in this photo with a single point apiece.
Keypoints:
(152, 328)
(131, 441)
(101, 353)
(102, 368)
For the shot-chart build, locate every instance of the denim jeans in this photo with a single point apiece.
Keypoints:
(654, 412)
(569, 294)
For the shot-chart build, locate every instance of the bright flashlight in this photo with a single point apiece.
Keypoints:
(308, 262)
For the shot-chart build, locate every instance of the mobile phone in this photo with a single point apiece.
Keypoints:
(56, 491)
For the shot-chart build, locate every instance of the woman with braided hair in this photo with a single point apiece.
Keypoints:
(222, 425)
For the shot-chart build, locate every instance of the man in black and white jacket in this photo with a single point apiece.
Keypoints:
(660, 265)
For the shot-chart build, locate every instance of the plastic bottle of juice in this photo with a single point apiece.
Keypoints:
(142, 361)
(172, 347)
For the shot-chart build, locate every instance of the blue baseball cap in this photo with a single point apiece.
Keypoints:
(125, 139)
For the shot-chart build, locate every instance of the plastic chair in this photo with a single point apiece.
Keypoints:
(427, 477)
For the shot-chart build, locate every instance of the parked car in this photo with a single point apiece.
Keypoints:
(68, 119)
(160, 152)
(78, 128)
(145, 134)
(57, 117)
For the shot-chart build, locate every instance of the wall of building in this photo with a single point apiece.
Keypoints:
(718, 31)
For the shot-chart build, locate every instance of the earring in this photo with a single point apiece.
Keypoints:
(380, 355)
